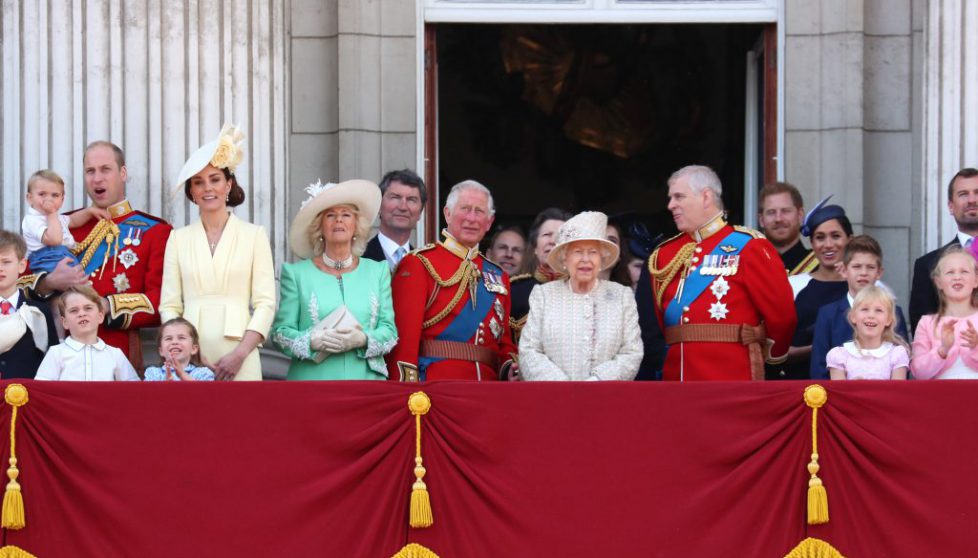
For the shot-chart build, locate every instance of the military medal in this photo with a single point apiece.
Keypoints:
(121, 283)
(498, 307)
(720, 287)
(128, 240)
(138, 238)
(495, 328)
(718, 311)
(128, 258)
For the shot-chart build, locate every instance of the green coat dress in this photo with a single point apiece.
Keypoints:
(308, 295)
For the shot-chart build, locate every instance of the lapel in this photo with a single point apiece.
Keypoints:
(226, 248)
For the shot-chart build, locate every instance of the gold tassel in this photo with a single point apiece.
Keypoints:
(12, 516)
(818, 499)
(11, 551)
(419, 404)
(814, 548)
(412, 550)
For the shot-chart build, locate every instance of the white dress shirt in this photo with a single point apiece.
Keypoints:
(76, 361)
(390, 247)
(34, 225)
(964, 239)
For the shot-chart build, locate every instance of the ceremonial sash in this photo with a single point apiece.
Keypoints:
(467, 321)
(132, 227)
(697, 282)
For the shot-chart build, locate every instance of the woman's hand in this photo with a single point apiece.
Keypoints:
(947, 337)
(228, 366)
(969, 337)
(342, 340)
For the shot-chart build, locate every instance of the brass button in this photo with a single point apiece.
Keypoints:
(686, 321)
(695, 259)
(685, 308)
(698, 249)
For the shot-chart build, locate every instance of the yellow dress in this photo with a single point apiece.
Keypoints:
(223, 295)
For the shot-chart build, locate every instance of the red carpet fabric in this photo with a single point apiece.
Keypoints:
(515, 470)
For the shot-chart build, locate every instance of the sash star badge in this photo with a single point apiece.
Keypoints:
(121, 283)
(128, 258)
(718, 311)
(720, 287)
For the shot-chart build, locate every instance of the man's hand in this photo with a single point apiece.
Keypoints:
(98, 212)
(65, 274)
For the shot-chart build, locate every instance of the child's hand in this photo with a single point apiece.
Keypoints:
(48, 206)
(947, 337)
(969, 337)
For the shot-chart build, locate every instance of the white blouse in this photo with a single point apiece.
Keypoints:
(593, 336)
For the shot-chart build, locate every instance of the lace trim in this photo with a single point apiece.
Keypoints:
(299, 347)
(374, 354)
(314, 308)
(374, 310)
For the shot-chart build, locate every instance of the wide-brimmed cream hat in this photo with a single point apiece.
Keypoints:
(225, 152)
(362, 194)
(589, 225)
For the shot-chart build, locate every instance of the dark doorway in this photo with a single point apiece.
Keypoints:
(591, 116)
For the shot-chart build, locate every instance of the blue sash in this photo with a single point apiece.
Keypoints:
(467, 321)
(129, 228)
(696, 282)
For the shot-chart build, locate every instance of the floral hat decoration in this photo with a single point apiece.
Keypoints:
(361, 194)
(588, 225)
(225, 152)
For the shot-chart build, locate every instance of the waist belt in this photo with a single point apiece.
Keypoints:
(455, 350)
(751, 336)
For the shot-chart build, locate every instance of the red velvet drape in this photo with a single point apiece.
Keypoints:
(515, 470)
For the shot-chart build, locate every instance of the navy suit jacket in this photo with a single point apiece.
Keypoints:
(832, 329)
(374, 251)
(22, 360)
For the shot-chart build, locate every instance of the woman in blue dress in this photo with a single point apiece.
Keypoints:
(335, 319)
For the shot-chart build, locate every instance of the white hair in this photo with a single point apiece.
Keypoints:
(457, 189)
(699, 178)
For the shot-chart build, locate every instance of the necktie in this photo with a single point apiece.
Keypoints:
(398, 255)
(6, 307)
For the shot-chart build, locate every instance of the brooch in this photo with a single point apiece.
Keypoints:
(121, 283)
(128, 258)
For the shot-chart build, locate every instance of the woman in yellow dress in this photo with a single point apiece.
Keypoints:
(218, 271)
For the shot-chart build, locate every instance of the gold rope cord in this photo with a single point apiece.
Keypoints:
(465, 275)
(667, 273)
(90, 244)
(421, 517)
(12, 514)
(818, 502)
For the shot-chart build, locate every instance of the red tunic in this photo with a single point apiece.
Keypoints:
(418, 298)
(758, 292)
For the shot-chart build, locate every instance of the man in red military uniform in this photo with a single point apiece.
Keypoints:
(721, 292)
(451, 304)
(122, 258)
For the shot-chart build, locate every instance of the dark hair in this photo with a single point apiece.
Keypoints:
(194, 336)
(530, 262)
(824, 214)
(863, 244)
(120, 157)
(236, 196)
(406, 177)
(508, 228)
(775, 188)
(13, 240)
(84, 290)
(966, 172)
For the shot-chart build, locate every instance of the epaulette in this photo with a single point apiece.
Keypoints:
(425, 248)
(747, 230)
(493, 263)
(520, 277)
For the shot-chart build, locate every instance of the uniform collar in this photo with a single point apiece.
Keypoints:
(457, 248)
(710, 228)
(120, 209)
(78, 345)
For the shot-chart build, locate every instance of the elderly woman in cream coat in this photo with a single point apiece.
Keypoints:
(581, 327)
(218, 272)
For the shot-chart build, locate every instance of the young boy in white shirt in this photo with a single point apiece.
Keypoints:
(83, 356)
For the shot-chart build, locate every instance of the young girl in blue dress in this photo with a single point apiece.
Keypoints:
(179, 346)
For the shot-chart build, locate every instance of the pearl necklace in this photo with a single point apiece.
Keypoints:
(337, 265)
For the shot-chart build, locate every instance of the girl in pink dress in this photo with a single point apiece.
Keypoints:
(876, 351)
(944, 343)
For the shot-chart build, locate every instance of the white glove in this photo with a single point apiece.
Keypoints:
(342, 340)
(318, 340)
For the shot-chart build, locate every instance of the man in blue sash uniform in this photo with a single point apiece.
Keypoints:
(451, 304)
(721, 292)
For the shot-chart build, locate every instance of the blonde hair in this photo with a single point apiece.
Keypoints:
(360, 235)
(936, 273)
(45, 174)
(868, 295)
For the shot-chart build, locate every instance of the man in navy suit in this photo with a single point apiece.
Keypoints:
(863, 267)
(404, 198)
(962, 203)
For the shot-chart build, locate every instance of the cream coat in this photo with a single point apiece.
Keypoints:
(222, 295)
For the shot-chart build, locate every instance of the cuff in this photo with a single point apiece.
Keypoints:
(122, 307)
(770, 358)
(408, 371)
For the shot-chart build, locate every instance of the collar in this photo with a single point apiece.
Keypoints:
(964, 238)
(710, 228)
(78, 345)
(878, 352)
(390, 246)
(32, 211)
(12, 299)
(544, 274)
(457, 248)
(120, 209)
(850, 298)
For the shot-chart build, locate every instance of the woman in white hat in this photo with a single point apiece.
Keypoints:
(218, 272)
(336, 319)
(581, 327)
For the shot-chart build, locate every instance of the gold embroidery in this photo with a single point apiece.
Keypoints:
(129, 304)
(662, 277)
(466, 274)
(104, 230)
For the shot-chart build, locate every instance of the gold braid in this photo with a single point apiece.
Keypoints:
(662, 277)
(100, 231)
(463, 276)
